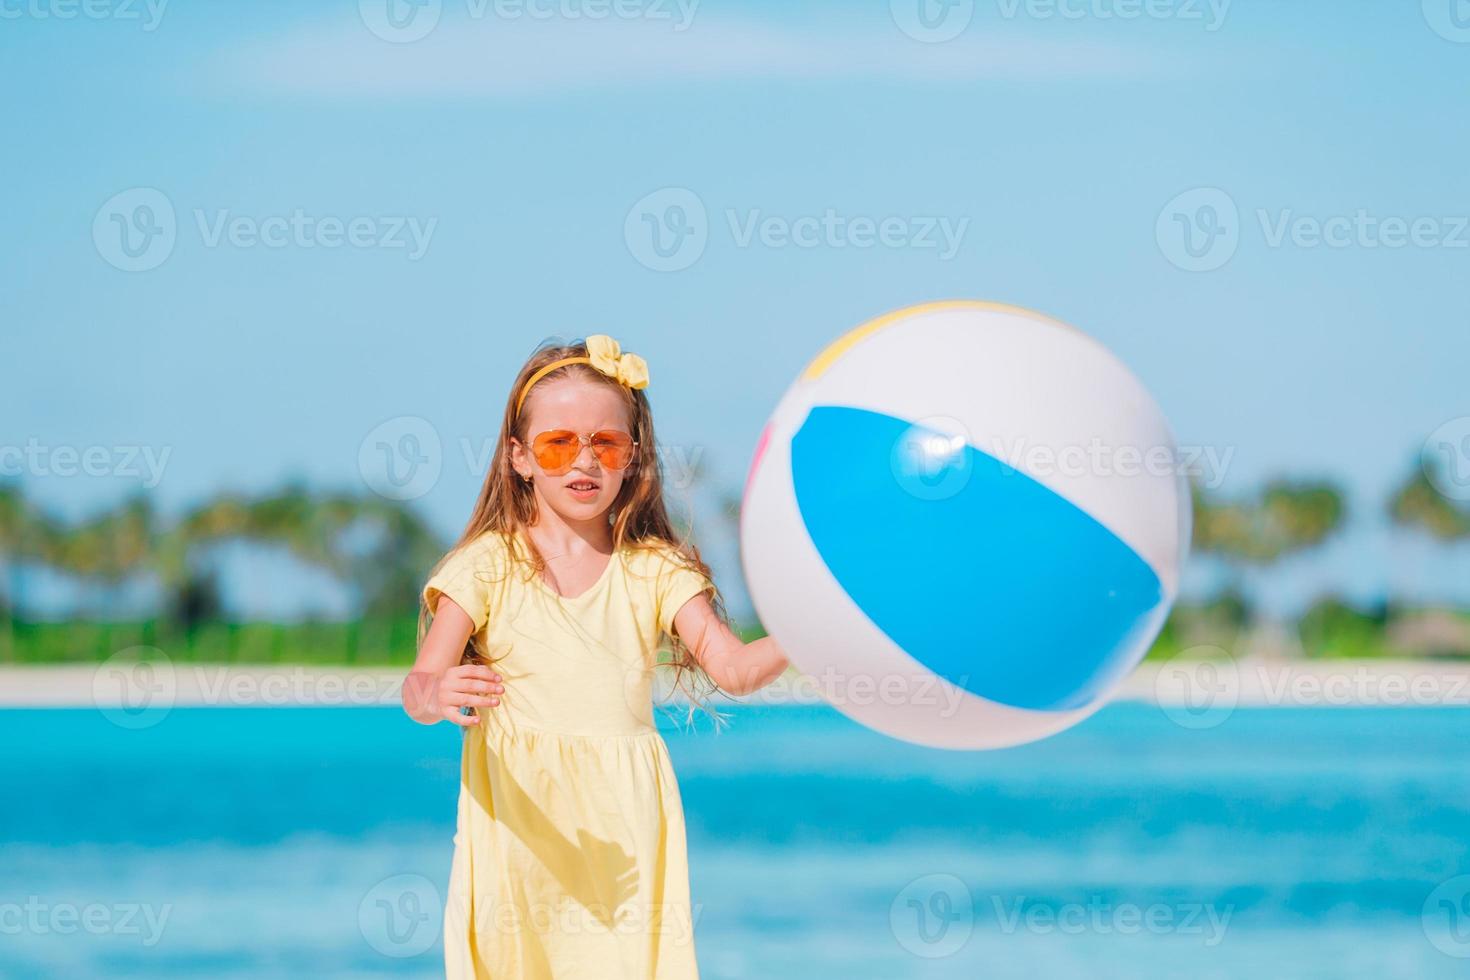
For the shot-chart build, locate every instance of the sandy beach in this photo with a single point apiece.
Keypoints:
(1189, 685)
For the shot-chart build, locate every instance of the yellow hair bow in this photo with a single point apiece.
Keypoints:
(605, 356)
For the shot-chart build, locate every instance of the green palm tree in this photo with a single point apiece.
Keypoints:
(1418, 505)
(1286, 517)
(379, 548)
(28, 536)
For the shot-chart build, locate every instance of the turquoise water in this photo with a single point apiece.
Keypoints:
(270, 843)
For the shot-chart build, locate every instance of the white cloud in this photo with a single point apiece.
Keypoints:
(490, 57)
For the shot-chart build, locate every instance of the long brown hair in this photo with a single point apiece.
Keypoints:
(639, 518)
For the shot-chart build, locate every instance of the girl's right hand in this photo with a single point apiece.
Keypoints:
(468, 686)
(439, 686)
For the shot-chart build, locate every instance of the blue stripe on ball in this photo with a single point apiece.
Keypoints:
(988, 578)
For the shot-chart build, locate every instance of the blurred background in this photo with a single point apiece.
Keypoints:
(271, 268)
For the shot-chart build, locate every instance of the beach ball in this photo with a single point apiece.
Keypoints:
(965, 523)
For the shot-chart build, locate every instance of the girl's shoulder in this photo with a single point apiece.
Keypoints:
(656, 559)
(470, 574)
(667, 576)
(491, 549)
(652, 553)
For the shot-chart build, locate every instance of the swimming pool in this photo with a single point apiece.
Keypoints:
(241, 842)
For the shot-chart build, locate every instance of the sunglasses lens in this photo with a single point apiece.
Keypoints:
(614, 449)
(556, 450)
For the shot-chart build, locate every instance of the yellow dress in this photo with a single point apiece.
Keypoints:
(569, 857)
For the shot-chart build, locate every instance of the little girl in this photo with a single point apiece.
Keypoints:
(547, 620)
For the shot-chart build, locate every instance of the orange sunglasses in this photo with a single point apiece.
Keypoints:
(557, 449)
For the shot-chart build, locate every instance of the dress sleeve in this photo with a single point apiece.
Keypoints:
(465, 577)
(676, 585)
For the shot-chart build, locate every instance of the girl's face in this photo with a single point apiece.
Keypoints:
(583, 407)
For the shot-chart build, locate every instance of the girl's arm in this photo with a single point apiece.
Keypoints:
(439, 685)
(738, 667)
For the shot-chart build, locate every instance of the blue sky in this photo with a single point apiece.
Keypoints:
(517, 145)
